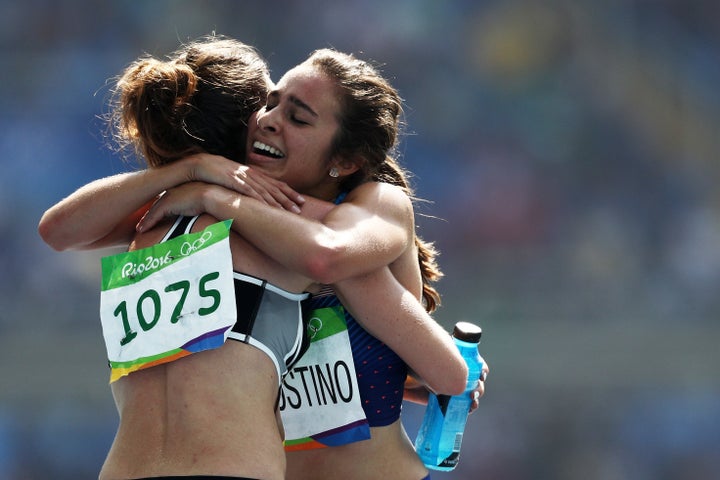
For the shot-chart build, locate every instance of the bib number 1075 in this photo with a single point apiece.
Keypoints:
(149, 305)
(174, 307)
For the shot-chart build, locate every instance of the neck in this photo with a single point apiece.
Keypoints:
(327, 191)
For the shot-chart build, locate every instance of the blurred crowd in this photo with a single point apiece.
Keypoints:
(568, 151)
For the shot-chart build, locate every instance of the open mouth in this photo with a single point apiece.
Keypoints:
(267, 150)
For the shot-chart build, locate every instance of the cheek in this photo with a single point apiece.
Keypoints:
(313, 156)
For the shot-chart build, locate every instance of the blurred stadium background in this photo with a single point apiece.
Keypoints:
(570, 151)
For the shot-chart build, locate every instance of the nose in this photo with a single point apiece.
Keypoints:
(267, 120)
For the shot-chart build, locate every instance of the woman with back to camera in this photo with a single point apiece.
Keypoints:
(284, 112)
(202, 414)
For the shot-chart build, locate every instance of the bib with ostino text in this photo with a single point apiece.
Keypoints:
(167, 301)
(320, 399)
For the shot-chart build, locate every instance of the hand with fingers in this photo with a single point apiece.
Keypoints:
(214, 182)
(480, 389)
(249, 181)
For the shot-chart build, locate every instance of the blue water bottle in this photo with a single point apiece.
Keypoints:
(441, 432)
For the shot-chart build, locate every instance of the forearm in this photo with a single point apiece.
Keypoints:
(103, 213)
(301, 243)
(285, 237)
(364, 233)
(325, 244)
(392, 314)
(415, 391)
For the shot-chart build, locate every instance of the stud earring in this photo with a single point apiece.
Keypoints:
(334, 172)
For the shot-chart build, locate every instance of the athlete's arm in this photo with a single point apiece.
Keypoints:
(394, 315)
(417, 392)
(367, 231)
(104, 213)
(100, 214)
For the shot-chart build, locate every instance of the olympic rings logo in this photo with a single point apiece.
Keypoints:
(188, 248)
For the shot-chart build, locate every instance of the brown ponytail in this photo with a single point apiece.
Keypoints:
(199, 99)
(391, 172)
(153, 98)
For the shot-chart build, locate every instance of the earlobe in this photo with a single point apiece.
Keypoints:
(349, 166)
(343, 167)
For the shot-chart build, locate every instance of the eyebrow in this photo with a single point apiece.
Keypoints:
(295, 101)
(300, 104)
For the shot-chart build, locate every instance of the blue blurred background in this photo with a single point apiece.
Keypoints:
(570, 152)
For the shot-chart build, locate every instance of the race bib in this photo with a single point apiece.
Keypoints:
(167, 301)
(320, 400)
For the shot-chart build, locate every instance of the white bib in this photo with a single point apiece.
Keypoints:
(167, 301)
(320, 399)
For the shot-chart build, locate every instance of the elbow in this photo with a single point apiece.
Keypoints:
(331, 258)
(318, 268)
(453, 381)
(458, 382)
(46, 230)
(323, 265)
